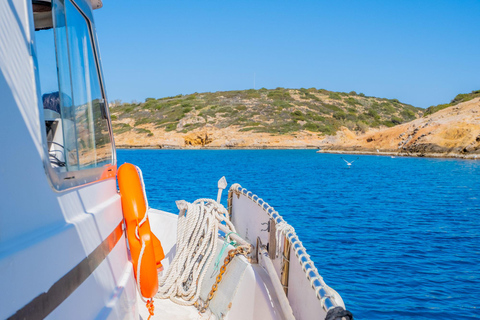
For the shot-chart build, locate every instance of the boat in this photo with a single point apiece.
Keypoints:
(74, 246)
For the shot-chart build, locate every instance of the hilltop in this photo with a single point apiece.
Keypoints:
(451, 130)
(254, 118)
(459, 98)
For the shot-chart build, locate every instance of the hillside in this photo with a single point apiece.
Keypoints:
(253, 118)
(453, 131)
(462, 97)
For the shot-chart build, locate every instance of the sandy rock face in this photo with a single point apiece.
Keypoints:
(190, 120)
(233, 143)
(198, 139)
(452, 130)
(212, 137)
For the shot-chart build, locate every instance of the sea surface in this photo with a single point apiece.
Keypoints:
(398, 238)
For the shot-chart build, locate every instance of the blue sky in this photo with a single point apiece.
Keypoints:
(420, 52)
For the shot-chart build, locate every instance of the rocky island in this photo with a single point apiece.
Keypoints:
(300, 118)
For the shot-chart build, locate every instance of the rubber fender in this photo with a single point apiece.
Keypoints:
(338, 313)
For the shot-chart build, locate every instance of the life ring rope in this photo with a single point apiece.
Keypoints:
(139, 264)
(145, 216)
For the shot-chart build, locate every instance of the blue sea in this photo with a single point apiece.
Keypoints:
(398, 238)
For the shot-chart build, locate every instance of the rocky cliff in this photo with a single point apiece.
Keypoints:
(450, 132)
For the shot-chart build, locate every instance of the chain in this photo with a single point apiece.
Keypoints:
(243, 250)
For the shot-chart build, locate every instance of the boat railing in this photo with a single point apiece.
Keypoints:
(323, 292)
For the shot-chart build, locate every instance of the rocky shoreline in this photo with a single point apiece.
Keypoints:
(327, 151)
(173, 147)
(405, 154)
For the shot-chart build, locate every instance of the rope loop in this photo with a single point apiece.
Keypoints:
(226, 243)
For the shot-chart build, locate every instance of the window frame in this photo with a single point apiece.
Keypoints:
(61, 181)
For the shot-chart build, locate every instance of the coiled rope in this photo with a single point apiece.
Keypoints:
(197, 233)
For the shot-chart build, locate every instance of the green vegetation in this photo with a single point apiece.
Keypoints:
(279, 94)
(462, 97)
(144, 131)
(433, 109)
(275, 111)
(119, 128)
(335, 96)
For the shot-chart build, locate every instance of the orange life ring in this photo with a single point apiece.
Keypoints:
(139, 235)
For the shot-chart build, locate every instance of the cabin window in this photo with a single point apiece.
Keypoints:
(75, 111)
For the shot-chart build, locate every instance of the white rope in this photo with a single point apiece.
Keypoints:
(138, 270)
(137, 234)
(197, 233)
(282, 228)
(144, 196)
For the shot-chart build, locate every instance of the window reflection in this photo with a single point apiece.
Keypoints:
(75, 113)
(93, 141)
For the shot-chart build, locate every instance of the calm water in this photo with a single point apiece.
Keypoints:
(398, 238)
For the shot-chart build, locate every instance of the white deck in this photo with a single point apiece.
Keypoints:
(164, 225)
(250, 296)
(166, 309)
